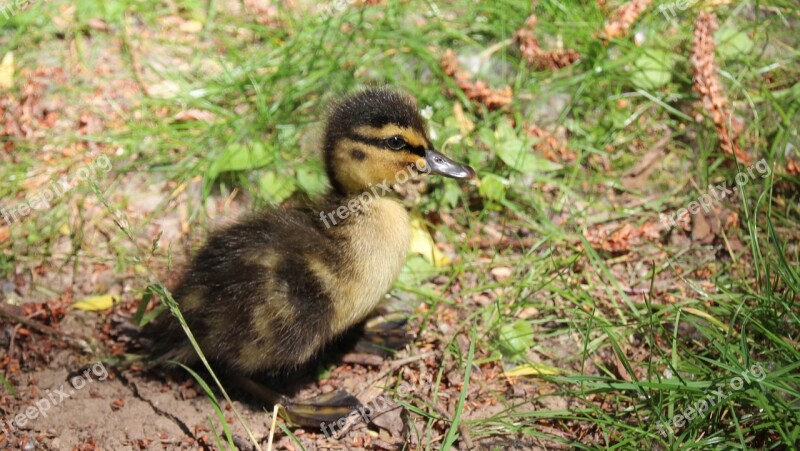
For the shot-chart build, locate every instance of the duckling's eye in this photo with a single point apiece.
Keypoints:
(396, 143)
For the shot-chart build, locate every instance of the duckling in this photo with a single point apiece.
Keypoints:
(266, 294)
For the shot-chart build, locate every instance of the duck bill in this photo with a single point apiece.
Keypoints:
(439, 164)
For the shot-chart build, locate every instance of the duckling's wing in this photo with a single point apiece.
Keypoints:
(251, 298)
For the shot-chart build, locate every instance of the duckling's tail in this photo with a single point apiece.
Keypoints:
(164, 340)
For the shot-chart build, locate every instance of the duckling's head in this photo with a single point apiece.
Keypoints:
(377, 136)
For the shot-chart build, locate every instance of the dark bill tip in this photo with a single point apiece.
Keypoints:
(441, 165)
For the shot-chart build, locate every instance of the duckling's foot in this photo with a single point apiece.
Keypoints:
(325, 408)
(384, 334)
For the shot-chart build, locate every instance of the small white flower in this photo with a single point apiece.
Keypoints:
(639, 38)
(427, 112)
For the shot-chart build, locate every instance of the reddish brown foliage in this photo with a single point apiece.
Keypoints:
(624, 239)
(535, 56)
(707, 84)
(478, 91)
(793, 167)
(551, 147)
(624, 17)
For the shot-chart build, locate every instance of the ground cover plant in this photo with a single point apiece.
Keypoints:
(623, 273)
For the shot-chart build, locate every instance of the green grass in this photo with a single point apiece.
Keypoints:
(628, 360)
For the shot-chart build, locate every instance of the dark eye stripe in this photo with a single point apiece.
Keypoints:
(418, 150)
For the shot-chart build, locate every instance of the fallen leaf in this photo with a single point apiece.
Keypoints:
(98, 24)
(95, 303)
(422, 244)
(194, 114)
(390, 421)
(533, 369)
(701, 229)
(501, 273)
(191, 26)
(7, 71)
(166, 89)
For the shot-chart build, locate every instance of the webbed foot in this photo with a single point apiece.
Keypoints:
(325, 408)
(384, 334)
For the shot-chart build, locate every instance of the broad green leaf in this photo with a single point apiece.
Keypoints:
(652, 70)
(732, 43)
(95, 303)
(493, 187)
(450, 193)
(238, 157)
(312, 179)
(516, 338)
(416, 271)
(276, 187)
(518, 154)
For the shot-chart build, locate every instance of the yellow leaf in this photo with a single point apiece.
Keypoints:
(95, 303)
(465, 126)
(7, 71)
(422, 244)
(533, 369)
(705, 315)
(191, 26)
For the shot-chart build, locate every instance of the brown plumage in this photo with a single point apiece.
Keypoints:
(269, 292)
